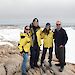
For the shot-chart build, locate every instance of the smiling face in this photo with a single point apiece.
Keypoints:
(35, 23)
(58, 24)
(27, 29)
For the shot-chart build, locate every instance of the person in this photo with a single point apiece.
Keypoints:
(60, 39)
(47, 36)
(35, 31)
(24, 47)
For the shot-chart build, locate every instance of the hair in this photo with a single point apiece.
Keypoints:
(46, 31)
(58, 21)
(25, 28)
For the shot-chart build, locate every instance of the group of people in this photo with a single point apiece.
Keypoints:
(30, 41)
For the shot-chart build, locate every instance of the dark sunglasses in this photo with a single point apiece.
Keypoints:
(58, 24)
(27, 29)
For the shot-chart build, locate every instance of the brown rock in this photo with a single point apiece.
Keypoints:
(14, 64)
(2, 69)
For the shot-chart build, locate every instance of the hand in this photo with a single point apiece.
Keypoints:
(61, 46)
(21, 54)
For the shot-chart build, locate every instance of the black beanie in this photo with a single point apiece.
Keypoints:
(35, 19)
(48, 24)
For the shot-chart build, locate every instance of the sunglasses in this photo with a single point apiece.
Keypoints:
(27, 29)
(58, 24)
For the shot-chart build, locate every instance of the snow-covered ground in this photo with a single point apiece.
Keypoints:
(14, 35)
(70, 46)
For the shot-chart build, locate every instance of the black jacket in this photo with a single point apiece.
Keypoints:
(60, 37)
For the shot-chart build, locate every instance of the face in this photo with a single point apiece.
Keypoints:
(58, 24)
(35, 23)
(48, 27)
(27, 30)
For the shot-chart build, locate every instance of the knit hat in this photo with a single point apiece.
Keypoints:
(35, 19)
(48, 24)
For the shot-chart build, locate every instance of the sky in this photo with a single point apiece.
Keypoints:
(16, 11)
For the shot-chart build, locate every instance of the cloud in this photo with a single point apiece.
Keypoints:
(20, 9)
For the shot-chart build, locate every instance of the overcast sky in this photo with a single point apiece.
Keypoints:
(45, 9)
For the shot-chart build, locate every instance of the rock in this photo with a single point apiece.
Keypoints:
(18, 73)
(2, 69)
(11, 61)
(4, 59)
(14, 64)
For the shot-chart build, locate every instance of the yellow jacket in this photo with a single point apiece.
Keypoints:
(24, 43)
(38, 34)
(47, 39)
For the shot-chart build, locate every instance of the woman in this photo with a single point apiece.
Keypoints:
(24, 47)
(47, 36)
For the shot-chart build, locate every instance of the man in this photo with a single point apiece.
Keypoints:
(35, 31)
(61, 38)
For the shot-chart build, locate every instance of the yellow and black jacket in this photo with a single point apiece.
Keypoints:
(24, 43)
(38, 34)
(47, 39)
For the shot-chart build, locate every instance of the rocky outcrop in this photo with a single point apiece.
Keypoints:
(11, 61)
(13, 65)
(2, 69)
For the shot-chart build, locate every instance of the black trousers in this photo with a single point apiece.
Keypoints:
(60, 55)
(44, 54)
(34, 57)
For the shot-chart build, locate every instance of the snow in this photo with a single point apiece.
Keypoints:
(70, 46)
(14, 35)
(10, 34)
(6, 43)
